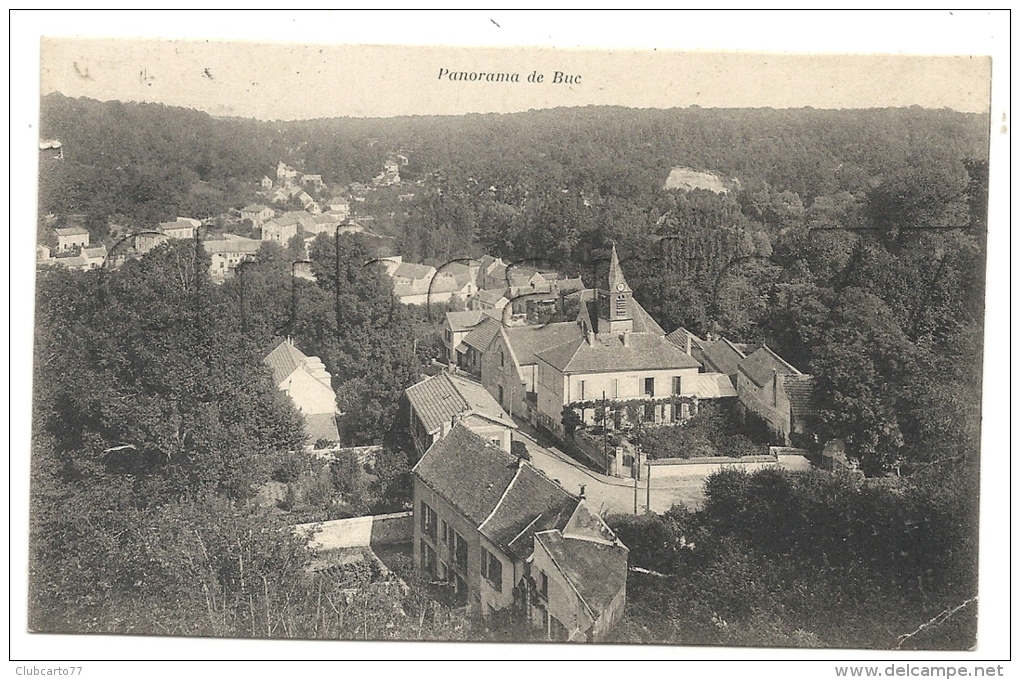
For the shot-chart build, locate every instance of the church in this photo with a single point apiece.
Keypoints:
(613, 352)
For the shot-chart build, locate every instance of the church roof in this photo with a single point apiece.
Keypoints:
(605, 353)
(616, 272)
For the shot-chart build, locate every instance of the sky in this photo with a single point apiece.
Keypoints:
(253, 64)
(258, 75)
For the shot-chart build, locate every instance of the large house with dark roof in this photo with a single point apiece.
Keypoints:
(305, 380)
(438, 403)
(503, 535)
(619, 354)
(776, 391)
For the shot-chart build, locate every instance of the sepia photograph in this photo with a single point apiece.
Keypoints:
(607, 348)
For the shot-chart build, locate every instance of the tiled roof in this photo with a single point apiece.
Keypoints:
(722, 356)
(490, 296)
(96, 252)
(239, 244)
(462, 321)
(320, 426)
(709, 386)
(531, 503)
(71, 231)
(642, 322)
(800, 390)
(642, 352)
(760, 364)
(680, 336)
(527, 340)
(467, 471)
(438, 399)
(481, 335)
(284, 360)
(411, 270)
(596, 570)
(254, 207)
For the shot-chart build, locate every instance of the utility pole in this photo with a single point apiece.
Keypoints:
(605, 432)
(648, 488)
(634, 472)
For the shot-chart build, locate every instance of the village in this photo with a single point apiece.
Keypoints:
(515, 470)
(529, 432)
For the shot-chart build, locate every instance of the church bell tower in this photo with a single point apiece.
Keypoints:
(614, 301)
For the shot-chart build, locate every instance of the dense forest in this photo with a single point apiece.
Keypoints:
(851, 242)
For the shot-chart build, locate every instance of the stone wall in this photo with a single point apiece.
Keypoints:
(360, 532)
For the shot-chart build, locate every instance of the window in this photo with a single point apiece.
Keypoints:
(581, 387)
(543, 584)
(615, 392)
(460, 551)
(444, 531)
(428, 559)
(501, 360)
(500, 388)
(649, 387)
(428, 521)
(676, 384)
(492, 570)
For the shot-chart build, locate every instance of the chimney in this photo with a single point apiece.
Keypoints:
(580, 496)
(687, 343)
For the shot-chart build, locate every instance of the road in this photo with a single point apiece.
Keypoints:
(605, 494)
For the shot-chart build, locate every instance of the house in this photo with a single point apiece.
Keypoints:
(777, 392)
(257, 213)
(621, 354)
(339, 206)
(710, 384)
(279, 231)
(227, 253)
(93, 258)
(503, 536)
(492, 274)
(509, 366)
(181, 229)
(438, 402)
(476, 343)
(314, 180)
(418, 284)
(71, 238)
(266, 183)
(42, 254)
(146, 241)
(285, 174)
(305, 380)
(456, 326)
(488, 300)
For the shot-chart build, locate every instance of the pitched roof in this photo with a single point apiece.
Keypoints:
(462, 321)
(642, 322)
(760, 364)
(526, 341)
(481, 335)
(238, 244)
(254, 207)
(800, 390)
(71, 231)
(642, 352)
(681, 335)
(97, 251)
(709, 386)
(438, 399)
(468, 472)
(723, 356)
(532, 502)
(596, 570)
(411, 270)
(491, 297)
(284, 360)
(616, 272)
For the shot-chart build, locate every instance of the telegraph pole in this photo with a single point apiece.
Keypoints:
(648, 488)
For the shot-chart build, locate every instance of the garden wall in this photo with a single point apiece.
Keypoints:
(360, 532)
